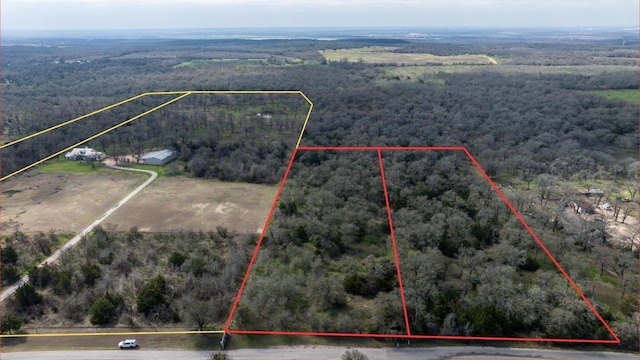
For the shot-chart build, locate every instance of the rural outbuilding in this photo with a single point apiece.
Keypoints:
(161, 157)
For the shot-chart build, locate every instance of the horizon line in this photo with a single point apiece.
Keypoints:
(344, 27)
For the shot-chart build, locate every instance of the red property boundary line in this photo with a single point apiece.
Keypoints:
(408, 335)
(393, 242)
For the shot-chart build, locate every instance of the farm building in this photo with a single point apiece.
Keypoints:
(84, 154)
(161, 157)
(583, 207)
(590, 192)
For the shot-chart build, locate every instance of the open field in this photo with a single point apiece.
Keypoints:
(66, 201)
(41, 201)
(199, 62)
(420, 72)
(630, 95)
(180, 203)
(53, 166)
(385, 55)
(244, 61)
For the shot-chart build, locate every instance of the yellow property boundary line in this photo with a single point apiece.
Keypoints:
(182, 94)
(186, 332)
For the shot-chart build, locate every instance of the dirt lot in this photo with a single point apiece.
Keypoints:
(63, 201)
(179, 203)
(70, 202)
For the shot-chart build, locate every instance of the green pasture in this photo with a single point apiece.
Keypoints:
(385, 55)
(629, 95)
(60, 165)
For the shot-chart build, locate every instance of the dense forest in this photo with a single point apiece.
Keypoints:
(469, 267)
(501, 117)
(534, 123)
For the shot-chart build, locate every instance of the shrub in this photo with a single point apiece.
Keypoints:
(354, 355)
(10, 274)
(198, 266)
(106, 260)
(219, 356)
(9, 255)
(101, 311)
(177, 258)
(105, 309)
(91, 273)
(629, 306)
(288, 208)
(628, 333)
(381, 278)
(62, 282)
(42, 276)
(27, 296)
(222, 231)
(175, 316)
(10, 324)
(152, 295)
(355, 284)
(530, 264)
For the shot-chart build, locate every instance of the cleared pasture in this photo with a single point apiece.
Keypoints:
(181, 203)
(67, 201)
(386, 55)
(630, 95)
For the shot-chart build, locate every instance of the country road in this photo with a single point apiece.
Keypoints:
(329, 353)
(69, 244)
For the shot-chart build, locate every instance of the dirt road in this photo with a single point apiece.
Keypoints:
(12, 289)
(329, 353)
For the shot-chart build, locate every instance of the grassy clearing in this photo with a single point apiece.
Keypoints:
(629, 95)
(55, 166)
(64, 200)
(385, 55)
(159, 169)
(420, 71)
(196, 63)
(244, 61)
(178, 202)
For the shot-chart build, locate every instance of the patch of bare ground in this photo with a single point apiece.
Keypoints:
(63, 201)
(180, 203)
(625, 234)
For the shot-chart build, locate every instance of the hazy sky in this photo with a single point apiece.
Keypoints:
(164, 14)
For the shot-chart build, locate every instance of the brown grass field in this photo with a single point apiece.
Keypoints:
(180, 203)
(71, 201)
(63, 201)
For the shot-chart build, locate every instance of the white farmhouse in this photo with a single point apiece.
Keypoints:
(84, 154)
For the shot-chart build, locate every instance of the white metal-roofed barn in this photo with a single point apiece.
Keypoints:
(161, 157)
